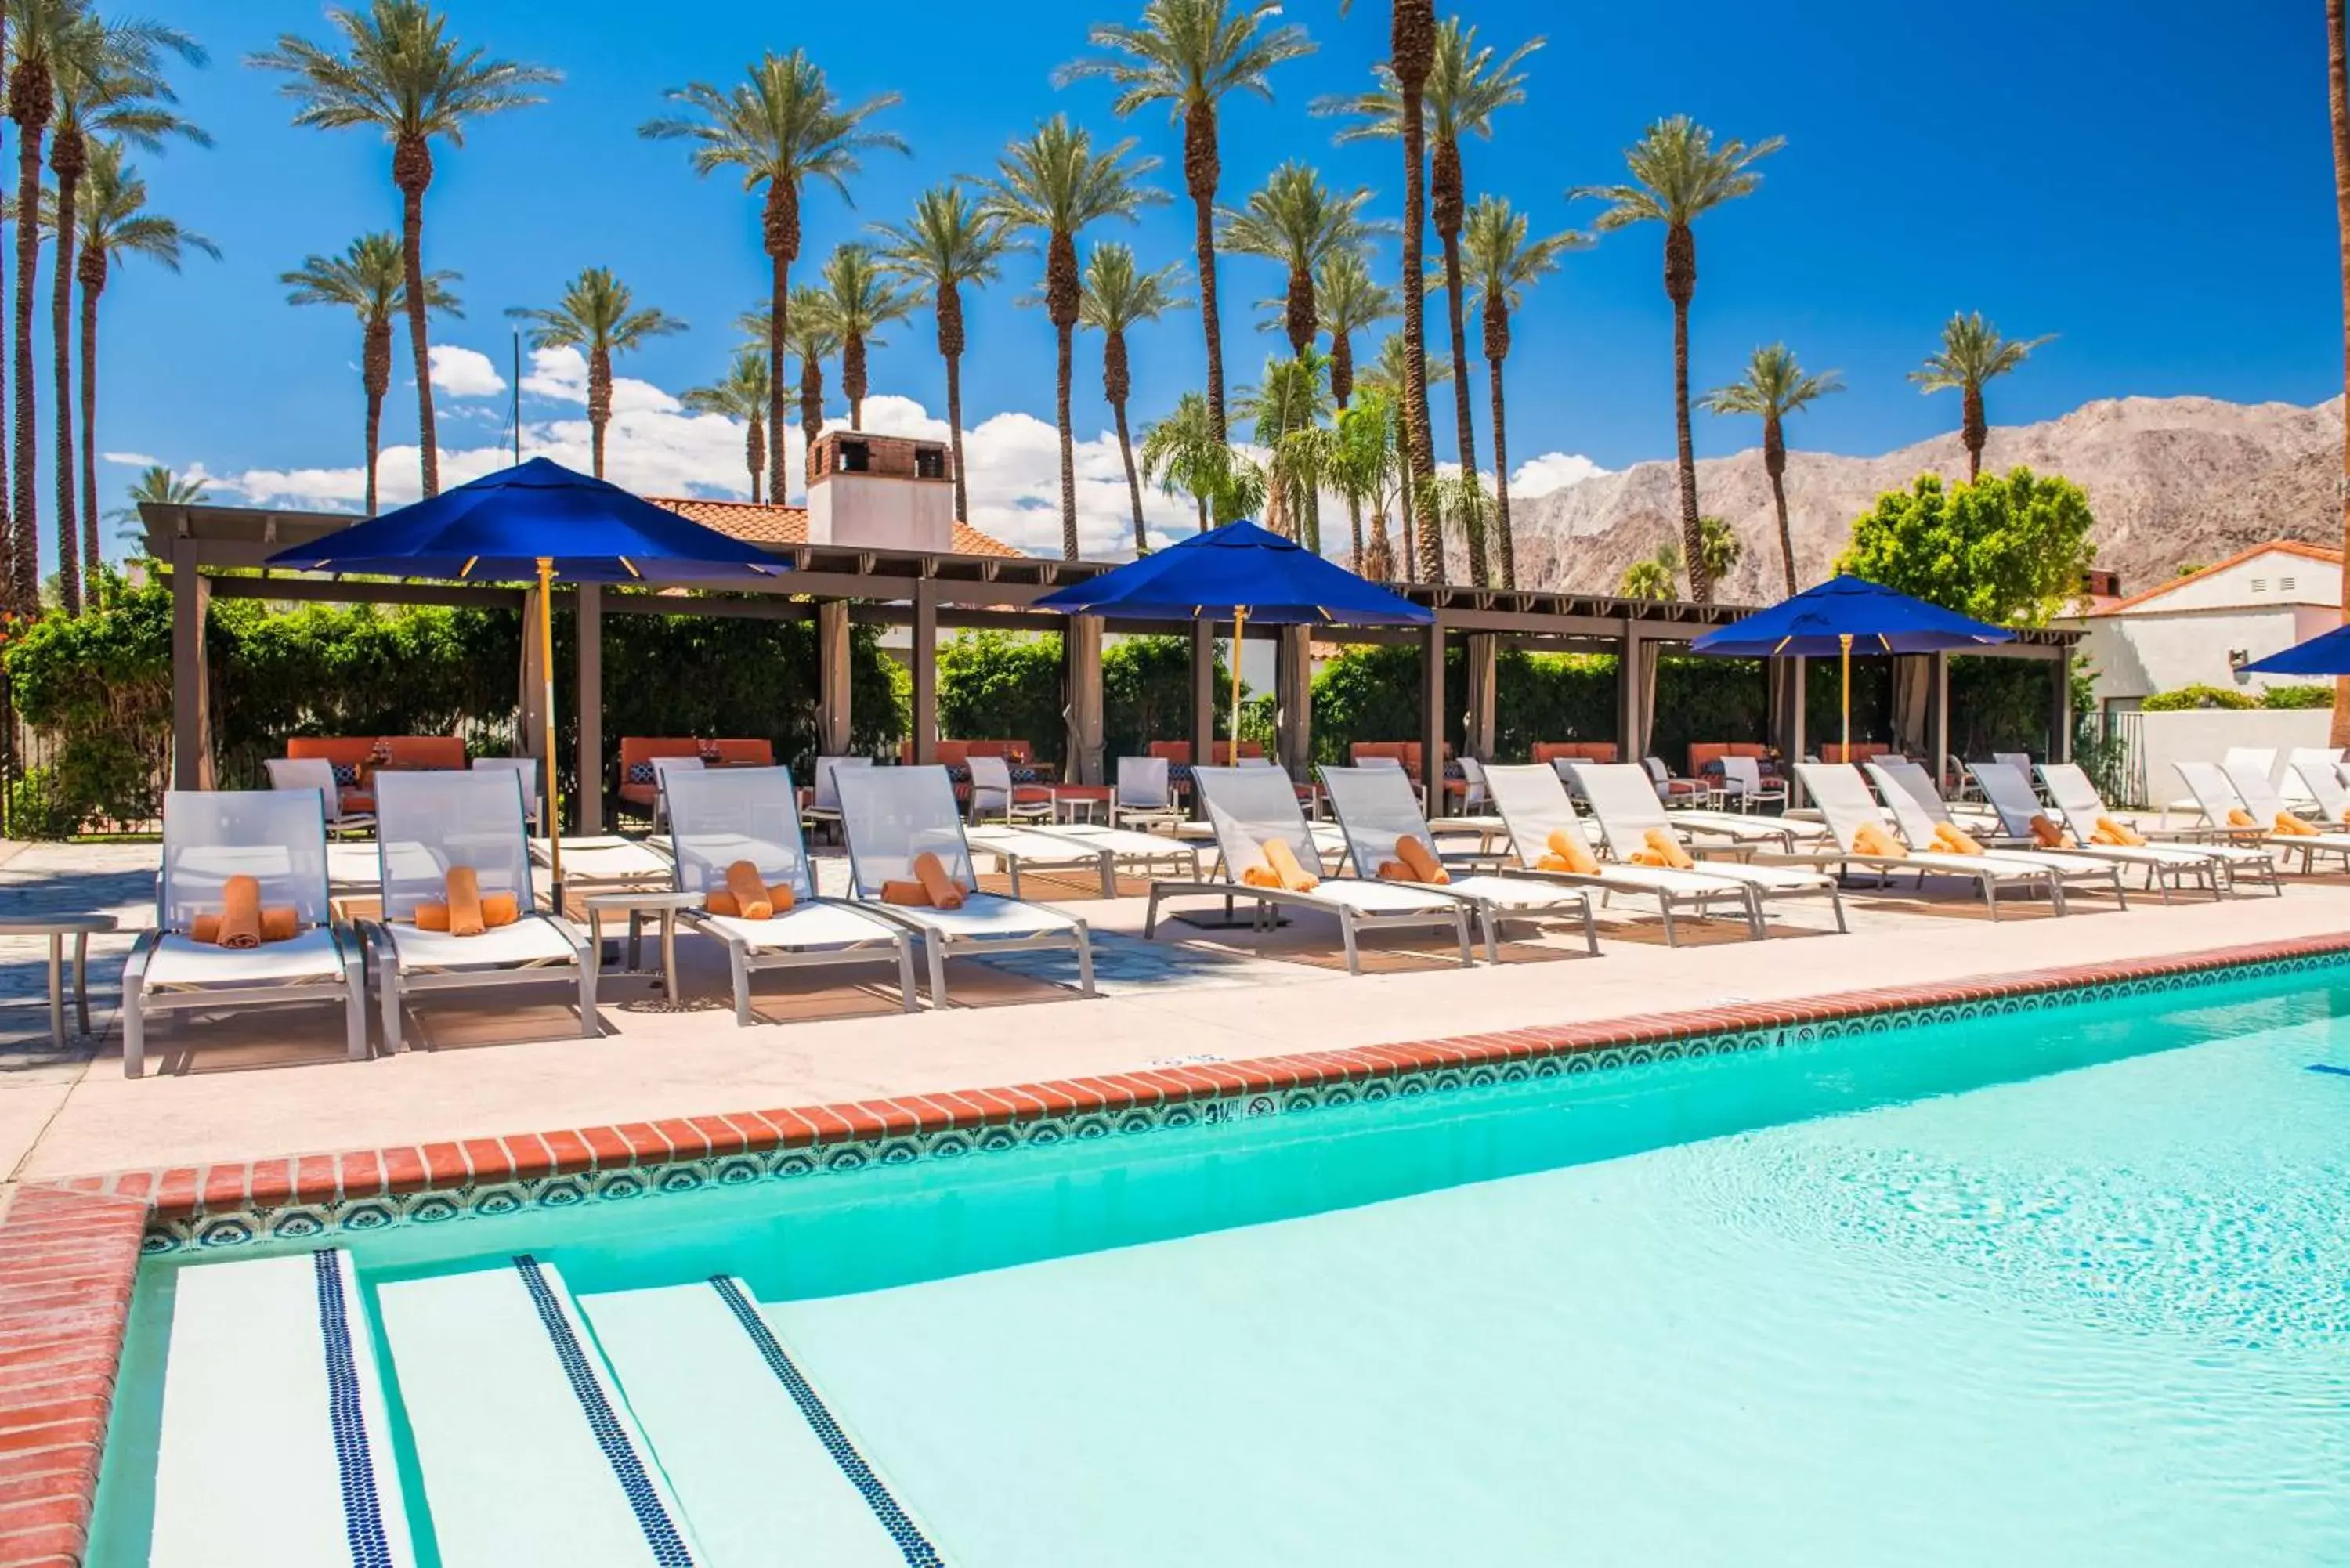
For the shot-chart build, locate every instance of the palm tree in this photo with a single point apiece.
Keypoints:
(107, 79)
(1287, 412)
(397, 68)
(1188, 54)
(370, 280)
(1117, 296)
(158, 484)
(1348, 301)
(1678, 176)
(1183, 453)
(781, 127)
(598, 315)
(1719, 548)
(1367, 468)
(1502, 265)
(1774, 387)
(114, 222)
(810, 340)
(1972, 352)
(742, 395)
(946, 245)
(1056, 183)
(1465, 89)
(1389, 373)
(1300, 223)
(1657, 578)
(860, 298)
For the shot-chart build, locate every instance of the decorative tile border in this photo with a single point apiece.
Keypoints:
(69, 1250)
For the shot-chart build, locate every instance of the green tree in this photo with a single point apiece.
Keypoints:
(395, 69)
(1367, 468)
(1390, 372)
(1678, 175)
(858, 300)
(1972, 353)
(781, 126)
(1503, 262)
(1119, 295)
(947, 243)
(742, 395)
(599, 315)
(161, 485)
(1183, 453)
(1773, 386)
(1056, 183)
(1189, 55)
(367, 280)
(1719, 548)
(2010, 548)
(1286, 412)
(1296, 219)
(1657, 577)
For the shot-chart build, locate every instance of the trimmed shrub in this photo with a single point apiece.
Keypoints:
(2196, 696)
(2298, 695)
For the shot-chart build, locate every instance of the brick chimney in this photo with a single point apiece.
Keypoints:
(891, 493)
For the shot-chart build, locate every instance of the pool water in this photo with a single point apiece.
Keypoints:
(2067, 1288)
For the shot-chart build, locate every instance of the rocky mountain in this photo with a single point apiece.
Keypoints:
(2173, 482)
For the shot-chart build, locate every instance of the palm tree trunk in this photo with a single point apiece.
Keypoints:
(1420, 454)
(1692, 540)
(66, 163)
(1973, 430)
(90, 548)
(755, 453)
(1502, 477)
(811, 416)
(780, 226)
(1355, 526)
(412, 172)
(852, 378)
(1068, 450)
(1407, 515)
(1133, 481)
(1479, 571)
(2337, 95)
(1203, 502)
(29, 91)
(599, 405)
(375, 379)
(374, 445)
(1202, 170)
(950, 308)
(1774, 464)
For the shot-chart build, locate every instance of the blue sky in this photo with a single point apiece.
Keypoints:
(2155, 191)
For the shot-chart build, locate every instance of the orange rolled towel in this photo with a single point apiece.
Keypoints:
(749, 890)
(1284, 863)
(240, 922)
(430, 916)
(2112, 831)
(2292, 826)
(1571, 852)
(1649, 857)
(1395, 871)
(2346, 813)
(1260, 877)
(1420, 861)
(2238, 817)
(204, 929)
(1872, 839)
(1660, 842)
(464, 896)
(910, 894)
(941, 891)
(500, 910)
(279, 924)
(2047, 835)
(1952, 840)
(719, 901)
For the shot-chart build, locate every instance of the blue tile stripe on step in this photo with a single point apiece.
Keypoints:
(908, 1536)
(662, 1533)
(363, 1525)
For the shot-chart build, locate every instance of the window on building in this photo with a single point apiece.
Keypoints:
(856, 457)
(2284, 585)
(2259, 585)
(929, 462)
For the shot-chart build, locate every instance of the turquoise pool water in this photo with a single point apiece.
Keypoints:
(2072, 1289)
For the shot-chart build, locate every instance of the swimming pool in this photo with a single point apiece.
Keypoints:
(2068, 1287)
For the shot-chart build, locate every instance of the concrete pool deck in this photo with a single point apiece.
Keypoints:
(278, 1084)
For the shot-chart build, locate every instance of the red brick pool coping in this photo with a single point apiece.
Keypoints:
(69, 1249)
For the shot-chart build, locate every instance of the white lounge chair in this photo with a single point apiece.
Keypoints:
(1533, 803)
(1977, 819)
(2264, 758)
(2322, 781)
(2167, 867)
(2293, 783)
(993, 793)
(279, 838)
(727, 815)
(1736, 828)
(1743, 781)
(318, 773)
(824, 805)
(427, 822)
(2265, 806)
(1916, 825)
(524, 768)
(1627, 812)
(1843, 798)
(1021, 850)
(2076, 799)
(892, 816)
(1251, 807)
(1143, 795)
(1376, 809)
(662, 768)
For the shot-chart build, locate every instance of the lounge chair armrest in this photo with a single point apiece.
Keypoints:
(134, 968)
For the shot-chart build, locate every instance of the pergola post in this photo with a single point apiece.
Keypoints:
(832, 678)
(1081, 681)
(192, 727)
(587, 796)
(924, 657)
(1293, 685)
(2060, 707)
(1938, 703)
(532, 720)
(1484, 671)
(1631, 700)
(1204, 691)
(1789, 755)
(1431, 715)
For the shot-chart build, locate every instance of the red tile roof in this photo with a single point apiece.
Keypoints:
(2284, 547)
(789, 524)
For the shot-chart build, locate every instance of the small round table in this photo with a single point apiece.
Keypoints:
(57, 928)
(637, 903)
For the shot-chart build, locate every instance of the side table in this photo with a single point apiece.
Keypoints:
(663, 903)
(57, 928)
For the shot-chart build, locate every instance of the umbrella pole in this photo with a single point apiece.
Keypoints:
(1240, 623)
(1845, 640)
(546, 697)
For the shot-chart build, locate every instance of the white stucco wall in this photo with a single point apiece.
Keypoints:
(2204, 735)
(2137, 656)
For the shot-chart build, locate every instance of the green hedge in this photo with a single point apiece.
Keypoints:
(1006, 685)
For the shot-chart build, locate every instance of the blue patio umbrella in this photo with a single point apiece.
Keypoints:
(1240, 573)
(536, 521)
(2328, 653)
(1843, 612)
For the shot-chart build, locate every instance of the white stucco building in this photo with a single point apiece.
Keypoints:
(2197, 629)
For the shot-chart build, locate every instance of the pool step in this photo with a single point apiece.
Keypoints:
(756, 1456)
(275, 1447)
(528, 1452)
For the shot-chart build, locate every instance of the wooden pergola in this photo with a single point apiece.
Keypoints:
(205, 552)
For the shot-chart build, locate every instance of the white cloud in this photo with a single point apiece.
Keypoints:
(132, 459)
(1551, 471)
(464, 372)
